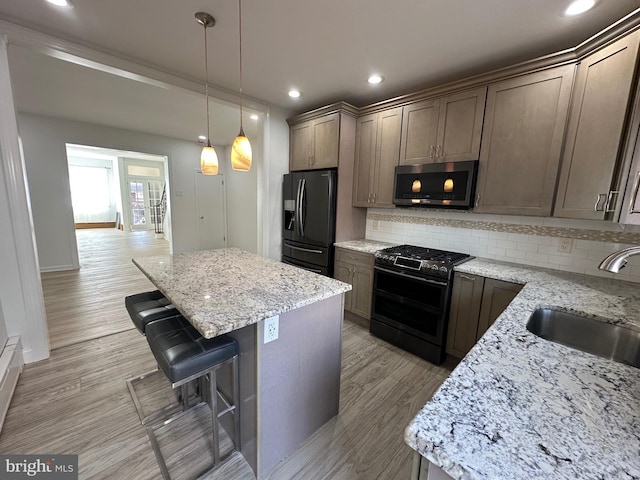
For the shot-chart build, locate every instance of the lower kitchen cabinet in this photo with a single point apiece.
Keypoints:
(355, 268)
(476, 302)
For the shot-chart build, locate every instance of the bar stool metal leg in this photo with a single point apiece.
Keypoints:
(213, 398)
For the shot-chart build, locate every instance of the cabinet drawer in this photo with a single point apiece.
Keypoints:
(354, 258)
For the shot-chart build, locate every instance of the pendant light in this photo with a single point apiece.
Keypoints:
(241, 149)
(208, 157)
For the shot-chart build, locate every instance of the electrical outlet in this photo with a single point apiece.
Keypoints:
(376, 224)
(271, 329)
(565, 245)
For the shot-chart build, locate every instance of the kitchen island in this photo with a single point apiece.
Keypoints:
(522, 407)
(289, 386)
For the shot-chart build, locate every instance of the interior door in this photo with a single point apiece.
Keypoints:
(143, 193)
(211, 211)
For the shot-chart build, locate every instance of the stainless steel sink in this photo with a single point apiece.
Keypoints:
(592, 336)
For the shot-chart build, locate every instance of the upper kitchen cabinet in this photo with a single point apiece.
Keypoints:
(524, 125)
(377, 154)
(325, 138)
(445, 129)
(589, 174)
(315, 143)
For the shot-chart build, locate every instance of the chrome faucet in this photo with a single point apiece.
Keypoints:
(617, 260)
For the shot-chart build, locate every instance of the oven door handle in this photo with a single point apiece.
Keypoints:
(412, 277)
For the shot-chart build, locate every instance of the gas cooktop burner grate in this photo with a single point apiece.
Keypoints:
(423, 253)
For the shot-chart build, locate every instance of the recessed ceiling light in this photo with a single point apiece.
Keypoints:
(61, 3)
(293, 93)
(254, 117)
(202, 138)
(375, 79)
(579, 6)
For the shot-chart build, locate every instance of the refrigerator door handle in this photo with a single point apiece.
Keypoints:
(297, 216)
(302, 207)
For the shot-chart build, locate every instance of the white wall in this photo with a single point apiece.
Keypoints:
(242, 201)
(44, 140)
(277, 147)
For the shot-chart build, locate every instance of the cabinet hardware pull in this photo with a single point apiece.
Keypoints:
(477, 200)
(634, 197)
(431, 151)
(609, 201)
(439, 151)
(374, 197)
(467, 277)
(601, 197)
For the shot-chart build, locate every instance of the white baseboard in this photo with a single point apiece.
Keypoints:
(11, 363)
(57, 268)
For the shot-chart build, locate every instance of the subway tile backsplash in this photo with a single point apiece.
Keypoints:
(534, 241)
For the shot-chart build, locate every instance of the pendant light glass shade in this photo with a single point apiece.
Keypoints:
(241, 153)
(241, 150)
(209, 161)
(208, 157)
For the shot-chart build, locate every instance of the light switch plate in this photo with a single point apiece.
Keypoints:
(271, 329)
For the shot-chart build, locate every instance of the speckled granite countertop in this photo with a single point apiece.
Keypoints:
(219, 291)
(521, 407)
(366, 246)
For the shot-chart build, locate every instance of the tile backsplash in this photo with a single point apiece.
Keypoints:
(538, 241)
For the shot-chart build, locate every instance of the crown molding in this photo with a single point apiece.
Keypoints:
(338, 107)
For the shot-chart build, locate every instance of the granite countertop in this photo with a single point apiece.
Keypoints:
(219, 291)
(365, 246)
(521, 407)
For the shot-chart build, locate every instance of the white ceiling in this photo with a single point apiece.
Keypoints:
(325, 48)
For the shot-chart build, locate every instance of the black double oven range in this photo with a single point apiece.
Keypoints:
(411, 295)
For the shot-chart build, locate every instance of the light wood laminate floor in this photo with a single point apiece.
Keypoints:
(77, 402)
(88, 303)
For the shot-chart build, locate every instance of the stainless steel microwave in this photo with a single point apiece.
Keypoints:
(448, 185)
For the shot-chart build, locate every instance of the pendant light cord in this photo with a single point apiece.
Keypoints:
(206, 83)
(240, 29)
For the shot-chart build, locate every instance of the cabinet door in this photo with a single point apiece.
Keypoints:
(301, 145)
(362, 291)
(497, 296)
(366, 128)
(342, 272)
(460, 126)
(419, 132)
(522, 141)
(326, 140)
(466, 298)
(596, 124)
(387, 156)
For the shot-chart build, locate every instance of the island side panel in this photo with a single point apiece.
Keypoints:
(246, 338)
(298, 378)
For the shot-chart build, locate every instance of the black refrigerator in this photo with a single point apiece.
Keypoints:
(309, 220)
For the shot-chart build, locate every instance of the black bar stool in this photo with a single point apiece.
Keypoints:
(147, 307)
(185, 355)
(144, 308)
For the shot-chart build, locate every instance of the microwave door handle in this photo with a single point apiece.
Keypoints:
(302, 188)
